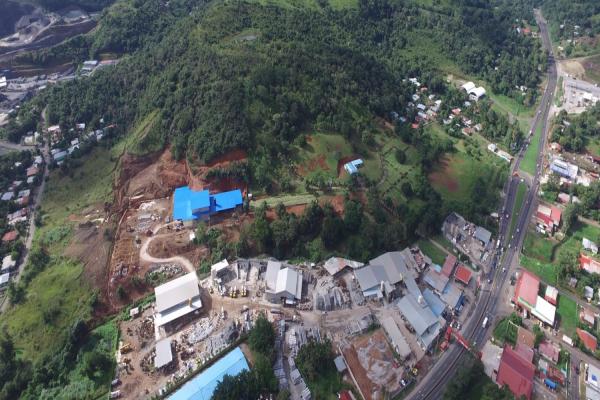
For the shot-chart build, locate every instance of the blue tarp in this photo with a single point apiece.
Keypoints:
(202, 386)
(190, 205)
(434, 302)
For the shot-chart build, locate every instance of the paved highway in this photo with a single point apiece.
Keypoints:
(434, 384)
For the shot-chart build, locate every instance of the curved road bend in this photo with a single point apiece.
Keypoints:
(145, 256)
(434, 383)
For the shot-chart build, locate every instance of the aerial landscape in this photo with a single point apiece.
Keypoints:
(300, 199)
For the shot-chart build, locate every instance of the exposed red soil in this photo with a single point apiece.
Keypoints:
(443, 176)
(296, 210)
(318, 162)
(336, 201)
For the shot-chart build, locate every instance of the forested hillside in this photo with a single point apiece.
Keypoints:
(584, 14)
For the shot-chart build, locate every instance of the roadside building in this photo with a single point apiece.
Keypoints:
(384, 275)
(177, 298)
(589, 245)
(4, 279)
(436, 305)
(526, 297)
(8, 264)
(588, 340)
(548, 218)
(564, 169)
(453, 297)
(549, 351)
(282, 283)
(396, 337)
(340, 364)
(592, 382)
(566, 198)
(587, 317)
(436, 278)
(516, 372)
(421, 319)
(483, 235)
(463, 275)
(589, 264)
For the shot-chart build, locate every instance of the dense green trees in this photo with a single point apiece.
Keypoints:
(262, 336)
(315, 358)
(574, 132)
(469, 378)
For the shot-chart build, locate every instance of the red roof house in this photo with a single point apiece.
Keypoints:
(589, 341)
(516, 373)
(549, 351)
(588, 317)
(10, 236)
(344, 395)
(32, 171)
(548, 217)
(449, 265)
(463, 274)
(526, 291)
(589, 264)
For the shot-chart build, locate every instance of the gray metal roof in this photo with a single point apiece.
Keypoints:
(483, 235)
(366, 277)
(396, 270)
(419, 316)
(163, 353)
(340, 364)
(397, 338)
(177, 291)
(273, 268)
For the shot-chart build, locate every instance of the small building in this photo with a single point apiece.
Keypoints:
(589, 264)
(8, 264)
(468, 86)
(477, 93)
(564, 169)
(549, 351)
(352, 166)
(526, 297)
(483, 235)
(177, 298)
(449, 264)
(4, 279)
(336, 265)
(587, 316)
(340, 364)
(396, 338)
(551, 295)
(3, 83)
(525, 337)
(588, 293)
(10, 236)
(163, 355)
(589, 245)
(565, 198)
(436, 305)
(463, 275)
(282, 284)
(219, 269)
(548, 218)
(60, 156)
(32, 171)
(516, 372)
(588, 340)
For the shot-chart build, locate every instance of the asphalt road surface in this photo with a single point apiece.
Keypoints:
(434, 384)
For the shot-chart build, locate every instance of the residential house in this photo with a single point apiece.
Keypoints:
(588, 340)
(548, 218)
(589, 264)
(516, 372)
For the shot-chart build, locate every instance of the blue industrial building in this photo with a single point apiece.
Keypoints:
(189, 205)
(202, 386)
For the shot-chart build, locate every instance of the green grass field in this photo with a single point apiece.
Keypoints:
(529, 162)
(508, 105)
(567, 310)
(429, 249)
(546, 271)
(286, 200)
(538, 247)
(58, 296)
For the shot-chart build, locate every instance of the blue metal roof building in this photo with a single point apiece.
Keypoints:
(191, 205)
(434, 302)
(204, 384)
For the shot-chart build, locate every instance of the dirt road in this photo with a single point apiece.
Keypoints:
(144, 256)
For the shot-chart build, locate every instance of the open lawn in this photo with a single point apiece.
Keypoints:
(519, 198)
(286, 200)
(546, 271)
(567, 311)
(529, 161)
(538, 246)
(506, 331)
(429, 249)
(58, 296)
(592, 68)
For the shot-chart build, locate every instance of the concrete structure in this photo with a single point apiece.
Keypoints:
(467, 87)
(282, 284)
(177, 298)
(163, 356)
(516, 372)
(219, 269)
(396, 338)
(340, 364)
(8, 264)
(483, 235)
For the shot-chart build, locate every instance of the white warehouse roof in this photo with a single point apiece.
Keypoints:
(467, 87)
(163, 353)
(544, 311)
(177, 298)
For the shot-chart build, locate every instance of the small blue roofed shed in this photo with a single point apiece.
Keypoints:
(204, 384)
(352, 166)
(191, 205)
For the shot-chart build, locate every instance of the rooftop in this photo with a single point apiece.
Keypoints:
(516, 373)
(336, 264)
(588, 340)
(163, 353)
(396, 337)
(177, 298)
(526, 290)
(463, 274)
(189, 204)
(449, 265)
(418, 315)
